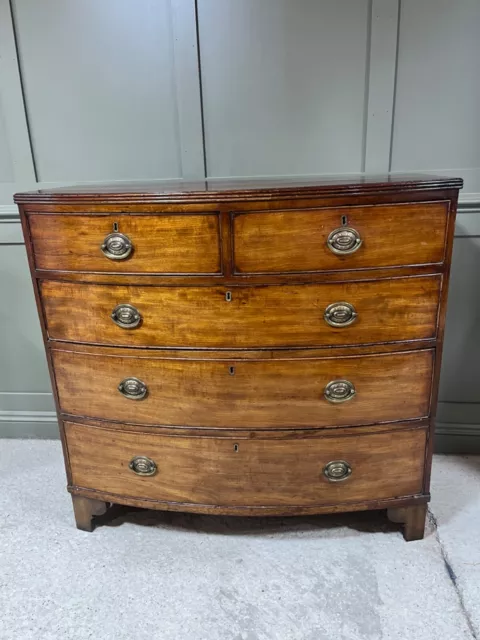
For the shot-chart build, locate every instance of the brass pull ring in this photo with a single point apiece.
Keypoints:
(143, 466)
(340, 314)
(337, 470)
(116, 246)
(338, 391)
(344, 240)
(126, 316)
(133, 389)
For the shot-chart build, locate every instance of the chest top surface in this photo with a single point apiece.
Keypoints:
(227, 190)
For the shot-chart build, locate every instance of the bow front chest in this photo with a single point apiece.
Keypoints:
(245, 348)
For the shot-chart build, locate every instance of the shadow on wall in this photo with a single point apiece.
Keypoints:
(23, 364)
(459, 396)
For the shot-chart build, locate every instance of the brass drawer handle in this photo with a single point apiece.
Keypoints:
(337, 470)
(344, 240)
(133, 389)
(116, 246)
(340, 314)
(126, 316)
(338, 391)
(143, 466)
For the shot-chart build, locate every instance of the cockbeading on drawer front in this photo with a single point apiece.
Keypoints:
(119, 243)
(342, 238)
(284, 392)
(249, 317)
(281, 472)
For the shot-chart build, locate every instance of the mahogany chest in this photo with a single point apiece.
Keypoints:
(245, 348)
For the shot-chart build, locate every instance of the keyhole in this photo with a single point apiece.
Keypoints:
(231, 371)
(235, 448)
(228, 296)
(344, 221)
(115, 226)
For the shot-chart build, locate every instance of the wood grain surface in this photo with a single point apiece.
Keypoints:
(295, 241)
(256, 317)
(161, 244)
(256, 472)
(245, 394)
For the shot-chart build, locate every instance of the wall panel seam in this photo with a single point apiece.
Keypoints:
(380, 84)
(395, 80)
(13, 99)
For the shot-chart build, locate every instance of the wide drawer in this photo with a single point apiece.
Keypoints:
(360, 237)
(246, 394)
(242, 472)
(262, 316)
(162, 243)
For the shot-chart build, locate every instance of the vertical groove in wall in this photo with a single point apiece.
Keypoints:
(367, 84)
(395, 85)
(176, 89)
(200, 81)
(22, 88)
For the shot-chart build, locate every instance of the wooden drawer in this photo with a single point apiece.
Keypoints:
(246, 394)
(174, 244)
(278, 470)
(296, 241)
(263, 316)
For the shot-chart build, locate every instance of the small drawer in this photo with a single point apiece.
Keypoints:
(238, 471)
(245, 394)
(162, 243)
(345, 313)
(340, 239)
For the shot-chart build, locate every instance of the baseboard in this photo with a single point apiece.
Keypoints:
(29, 424)
(449, 438)
(457, 438)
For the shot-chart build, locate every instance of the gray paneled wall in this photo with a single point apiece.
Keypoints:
(438, 89)
(99, 88)
(26, 404)
(121, 90)
(283, 85)
(6, 168)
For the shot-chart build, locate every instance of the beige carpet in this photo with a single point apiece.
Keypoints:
(151, 575)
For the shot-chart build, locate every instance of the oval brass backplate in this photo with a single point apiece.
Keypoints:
(116, 246)
(133, 389)
(143, 466)
(337, 391)
(126, 316)
(344, 240)
(337, 470)
(340, 314)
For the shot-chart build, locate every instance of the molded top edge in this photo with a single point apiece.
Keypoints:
(227, 189)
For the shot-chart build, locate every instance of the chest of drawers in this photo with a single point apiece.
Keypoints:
(245, 348)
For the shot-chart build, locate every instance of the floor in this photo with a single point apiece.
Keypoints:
(151, 575)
